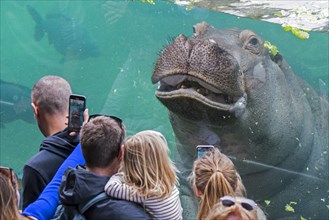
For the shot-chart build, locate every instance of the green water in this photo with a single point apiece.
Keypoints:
(118, 82)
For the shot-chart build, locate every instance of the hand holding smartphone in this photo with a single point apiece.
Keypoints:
(202, 149)
(77, 105)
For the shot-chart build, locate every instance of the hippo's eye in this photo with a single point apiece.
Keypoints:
(250, 42)
(254, 41)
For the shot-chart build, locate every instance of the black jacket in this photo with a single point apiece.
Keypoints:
(41, 168)
(79, 185)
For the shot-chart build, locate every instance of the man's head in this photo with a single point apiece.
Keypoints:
(51, 95)
(101, 142)
(50, 98)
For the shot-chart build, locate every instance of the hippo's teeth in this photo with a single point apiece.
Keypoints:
(182, 87)
(202, 91)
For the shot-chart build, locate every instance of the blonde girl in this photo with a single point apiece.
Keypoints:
(148, 176)
(214, 176)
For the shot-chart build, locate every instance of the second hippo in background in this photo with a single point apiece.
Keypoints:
(224, 88)
(15, 103)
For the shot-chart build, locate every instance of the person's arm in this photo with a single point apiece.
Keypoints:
(116, 188)
(45, 206)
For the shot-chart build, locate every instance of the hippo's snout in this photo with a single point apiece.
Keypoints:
(215, 66)
(201, 70)
(204, 60)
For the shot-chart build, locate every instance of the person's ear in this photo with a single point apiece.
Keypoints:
(35, 110)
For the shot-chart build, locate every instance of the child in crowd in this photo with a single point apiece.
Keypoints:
(148, 176)
(237, 208)
(214, 176)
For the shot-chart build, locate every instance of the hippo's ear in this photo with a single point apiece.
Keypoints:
(200, 28)
(277, 58)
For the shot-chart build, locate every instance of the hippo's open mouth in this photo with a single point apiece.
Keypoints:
(185, 86)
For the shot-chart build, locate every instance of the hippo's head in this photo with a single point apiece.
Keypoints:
(230, 92)
(208, 72)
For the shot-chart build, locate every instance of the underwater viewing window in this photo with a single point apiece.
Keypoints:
(255, 90)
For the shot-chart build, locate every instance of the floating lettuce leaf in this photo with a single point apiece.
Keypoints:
(190, 6)
(267, 202)
(272, 48)
(289, 208)
(301, 34)
(148, 1)
(287, 28)
(278, 14)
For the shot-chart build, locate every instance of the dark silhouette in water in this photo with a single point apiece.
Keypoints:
(68, 36)
(15, 103)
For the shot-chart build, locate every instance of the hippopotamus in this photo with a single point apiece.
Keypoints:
(15, 103)
(225, 88)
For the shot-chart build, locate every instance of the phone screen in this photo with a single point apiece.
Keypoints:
(202, 149)
(77, 106)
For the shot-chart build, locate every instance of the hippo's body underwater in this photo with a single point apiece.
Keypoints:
(223, 87)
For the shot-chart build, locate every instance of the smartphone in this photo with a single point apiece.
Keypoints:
(202, 149)
(77, 105)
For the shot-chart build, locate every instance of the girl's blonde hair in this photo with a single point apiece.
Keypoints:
(147, 165)
(214, 174)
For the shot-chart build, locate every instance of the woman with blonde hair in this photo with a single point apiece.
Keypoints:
(214, 176)
(148, 176)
